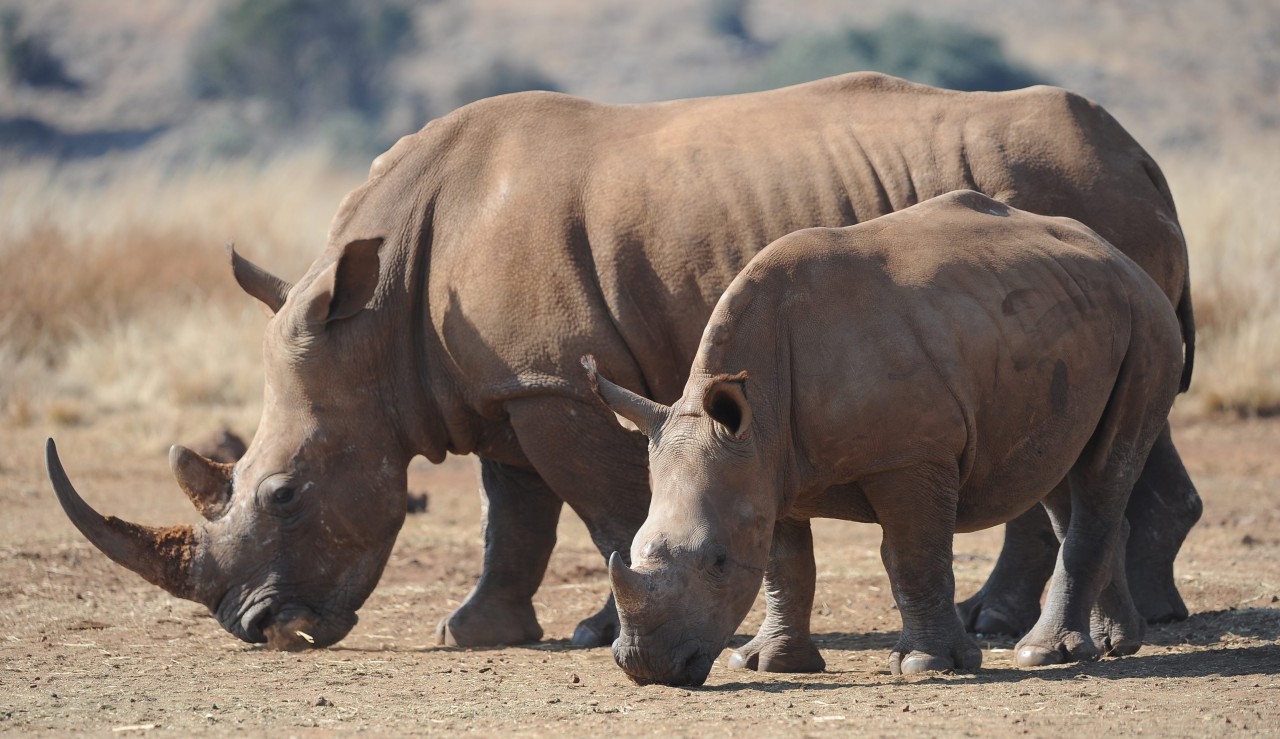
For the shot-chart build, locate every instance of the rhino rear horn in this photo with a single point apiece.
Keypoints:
(258, 282)
(164, 557)
(638, 412)
(628, 588)
(206, 483)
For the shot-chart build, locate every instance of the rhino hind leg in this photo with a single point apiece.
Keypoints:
(1009, 601)
(520, 517)
(1115, 624)
(784, 643)
(1088, 612)
(1163, 508)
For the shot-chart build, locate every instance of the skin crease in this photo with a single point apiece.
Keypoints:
(489, 251)
(936, 370)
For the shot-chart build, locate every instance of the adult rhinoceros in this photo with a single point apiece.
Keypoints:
(491, 249)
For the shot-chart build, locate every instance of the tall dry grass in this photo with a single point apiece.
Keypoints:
(1227, 206)
(117, 306)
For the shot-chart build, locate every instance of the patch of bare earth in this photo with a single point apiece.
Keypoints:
(86, 646)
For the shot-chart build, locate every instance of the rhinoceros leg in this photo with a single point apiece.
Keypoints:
(599, 469)
(783, 643)
(1115, 623)
(1163, 508)
(1009, 601)
(916, 508)
(520, 520)
(1088, 594)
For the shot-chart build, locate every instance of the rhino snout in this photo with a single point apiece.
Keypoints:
(288, 628)
(689, 664)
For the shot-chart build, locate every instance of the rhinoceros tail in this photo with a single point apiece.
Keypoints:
(1186, 317)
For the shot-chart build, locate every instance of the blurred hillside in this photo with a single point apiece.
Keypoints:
(1180, 74)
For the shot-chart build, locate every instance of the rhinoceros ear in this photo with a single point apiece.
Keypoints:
(345, 287)
(725, 401)
(634, 412)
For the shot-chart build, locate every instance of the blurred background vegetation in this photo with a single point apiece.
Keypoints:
(136, 136)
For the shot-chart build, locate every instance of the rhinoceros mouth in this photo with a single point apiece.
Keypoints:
(687, 664)
(243, 619)
(280, 625)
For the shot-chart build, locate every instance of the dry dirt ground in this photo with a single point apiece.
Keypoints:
(86, 646)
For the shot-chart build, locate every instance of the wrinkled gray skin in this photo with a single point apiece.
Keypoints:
(486, 253)
(940, 369)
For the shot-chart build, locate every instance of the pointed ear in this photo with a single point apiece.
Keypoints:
(725, 401)
(635, 413)
(258, 282)
(345, 287)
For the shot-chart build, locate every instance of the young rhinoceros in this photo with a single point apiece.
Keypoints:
(939, 369)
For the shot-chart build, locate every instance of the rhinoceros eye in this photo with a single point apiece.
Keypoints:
(283, 495)
(278, 494)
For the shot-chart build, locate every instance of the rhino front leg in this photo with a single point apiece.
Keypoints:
(600, 470)
(1009, 601)
(520, 518)
(916, 509)
(783, 643)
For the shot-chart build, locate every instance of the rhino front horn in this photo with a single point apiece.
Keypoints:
(162, 556)
(628, 590)
(206, 482)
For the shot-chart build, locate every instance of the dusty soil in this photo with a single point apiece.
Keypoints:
(87, 646)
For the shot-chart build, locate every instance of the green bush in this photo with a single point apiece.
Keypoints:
(726, 17)
(904, 45)
(306, 58)
(27, 58)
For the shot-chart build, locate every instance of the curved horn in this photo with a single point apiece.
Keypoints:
(644, 414)
(258, 282)
(206, 482)
(628, 590)
(162, 556)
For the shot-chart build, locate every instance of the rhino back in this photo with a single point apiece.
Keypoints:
(991, 337)
(559, 226)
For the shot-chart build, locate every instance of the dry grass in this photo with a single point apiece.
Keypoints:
(117, 307)
(1227, 208)
(116, 299)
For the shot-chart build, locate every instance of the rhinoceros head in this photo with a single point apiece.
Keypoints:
(699, 558)
(297, 532)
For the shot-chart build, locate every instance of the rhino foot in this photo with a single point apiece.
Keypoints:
(773, 653)
(1116, 627)
(990, 614)
(599, 630)
(1157, 597)
(910, 658)
(1070, 646)
(1115, 641)
(470, 626)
